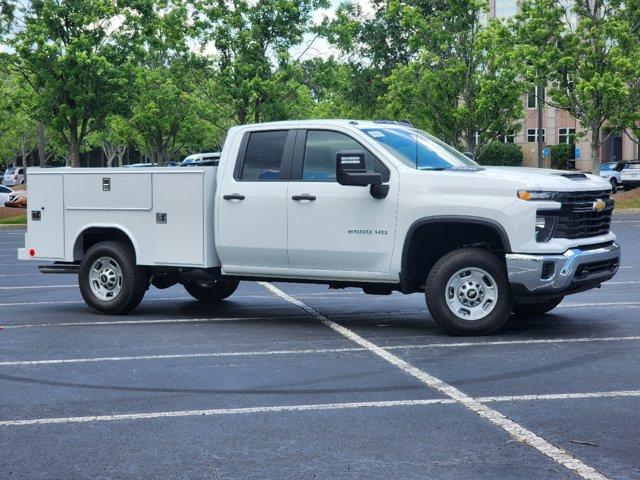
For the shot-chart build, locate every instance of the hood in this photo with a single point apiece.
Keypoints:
(547, 179)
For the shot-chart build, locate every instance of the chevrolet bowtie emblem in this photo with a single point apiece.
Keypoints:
(599, 205)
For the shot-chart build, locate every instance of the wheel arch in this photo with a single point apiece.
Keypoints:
(94, 233)
(421, 250)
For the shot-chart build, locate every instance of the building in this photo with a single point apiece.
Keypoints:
(557, 125)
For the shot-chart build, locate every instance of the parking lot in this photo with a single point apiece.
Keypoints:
(298, 381)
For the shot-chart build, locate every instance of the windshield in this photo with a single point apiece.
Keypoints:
(632, 166)
(11, 170)
(418, 149)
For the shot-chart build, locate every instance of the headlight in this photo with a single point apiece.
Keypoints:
(545, 225)
(537, 195)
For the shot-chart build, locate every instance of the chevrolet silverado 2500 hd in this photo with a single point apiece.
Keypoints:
(376, 205)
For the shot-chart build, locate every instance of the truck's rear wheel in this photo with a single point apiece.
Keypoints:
(109, 279)
(468, 293)
(538, 308)
(213, 291)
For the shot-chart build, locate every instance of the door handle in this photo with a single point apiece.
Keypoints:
(304, 196)
(233, 196)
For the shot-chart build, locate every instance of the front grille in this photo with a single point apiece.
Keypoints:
(579, 219)
(587, 269)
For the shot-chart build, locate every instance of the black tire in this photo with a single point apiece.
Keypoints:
(436, 291)
(538, 308)
(213, 291)
(614, 185)
(134, 279)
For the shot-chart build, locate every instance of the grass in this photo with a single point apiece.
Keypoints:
(628, 203)
(18, 220)
(628, 199)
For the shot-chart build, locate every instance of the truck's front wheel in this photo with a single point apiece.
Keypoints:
(468, 293)
(211, 291)
(109, 279)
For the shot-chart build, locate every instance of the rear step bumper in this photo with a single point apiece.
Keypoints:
(59, 268)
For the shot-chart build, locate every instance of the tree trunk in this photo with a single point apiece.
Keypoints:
(42, 145)
(74, 144)
(595, 149)
(540, 88)
(120, 156)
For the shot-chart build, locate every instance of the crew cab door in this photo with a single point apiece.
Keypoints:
(252, 211)
(338, 231)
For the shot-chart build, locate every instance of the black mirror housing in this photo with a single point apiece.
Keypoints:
(351, 169)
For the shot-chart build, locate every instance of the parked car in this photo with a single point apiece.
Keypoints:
(382, 207)
(4, 194)
(608, 170)
(210, 159)
(16, 200)
(142, 165)
(13, 176)
(630, 175)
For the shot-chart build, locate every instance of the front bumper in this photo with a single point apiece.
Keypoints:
(575, 270)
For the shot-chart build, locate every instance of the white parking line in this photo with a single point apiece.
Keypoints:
(20, 274)
(578, 466)
(34, 287)
(517, 431)
(65, 302)
(178, 356)
(144, 322)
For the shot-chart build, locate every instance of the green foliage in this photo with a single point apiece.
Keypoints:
(560, 155)
(76, 57)
(581, 49)
(256, 79)
(434, 64)
(502, 154)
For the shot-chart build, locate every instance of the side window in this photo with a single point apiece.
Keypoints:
(263, 156)
(319, 162)
(4, 189)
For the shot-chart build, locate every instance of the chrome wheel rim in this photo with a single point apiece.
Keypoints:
(471, 293)
(105, 278)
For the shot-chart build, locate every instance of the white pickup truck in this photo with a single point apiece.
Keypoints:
(375, 205)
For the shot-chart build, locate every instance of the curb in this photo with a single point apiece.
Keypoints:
(626, 211)
(14, 225)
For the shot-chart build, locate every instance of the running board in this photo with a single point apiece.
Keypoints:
(59, 268)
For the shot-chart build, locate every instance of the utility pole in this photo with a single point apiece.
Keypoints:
(540, 105)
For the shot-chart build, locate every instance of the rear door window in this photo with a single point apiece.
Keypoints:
(263, 155)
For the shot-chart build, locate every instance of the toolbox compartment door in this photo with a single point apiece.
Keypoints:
(45, 215)
(178, 213)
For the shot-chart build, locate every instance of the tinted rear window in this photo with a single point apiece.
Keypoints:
(263, 156)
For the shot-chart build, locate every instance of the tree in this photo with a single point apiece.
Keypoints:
(436, 64)
(577, 48)
(76, 56)
(462, 86)
(255, 78)
(162, 109)
(627, 116)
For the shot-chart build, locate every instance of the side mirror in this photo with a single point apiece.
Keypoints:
(470, 155)
(351, 169)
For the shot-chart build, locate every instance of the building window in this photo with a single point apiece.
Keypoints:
(508, 138)
(532, 97)
(566, 135)
(532, 136)
(505, 8)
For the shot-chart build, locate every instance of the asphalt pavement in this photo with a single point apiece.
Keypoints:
(290, 381)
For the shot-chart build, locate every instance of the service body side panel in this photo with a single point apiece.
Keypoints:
(46, 234)
(127, 200)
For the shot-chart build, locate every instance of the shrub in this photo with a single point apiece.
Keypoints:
(560, 155)
(503, 154)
